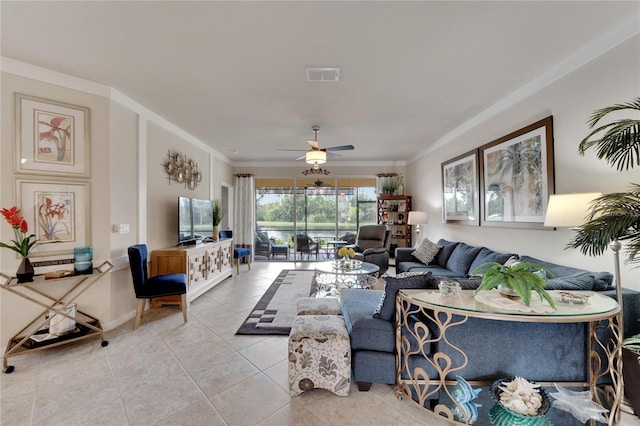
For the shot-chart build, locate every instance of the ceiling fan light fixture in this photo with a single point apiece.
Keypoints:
(316, 157)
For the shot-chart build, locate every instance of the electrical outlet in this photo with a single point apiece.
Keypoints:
(115, 229)
(124, 228)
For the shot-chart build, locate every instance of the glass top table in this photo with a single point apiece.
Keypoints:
(598, 307)
(439, 312)
(329, 278)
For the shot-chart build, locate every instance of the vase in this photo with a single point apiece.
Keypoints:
(631, 378)
(25, 271)
(507, 291)
(214, 236)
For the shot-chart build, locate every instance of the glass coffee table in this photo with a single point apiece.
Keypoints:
(330, 278)
(441, 313)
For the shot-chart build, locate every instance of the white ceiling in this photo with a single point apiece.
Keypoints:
(232, 74)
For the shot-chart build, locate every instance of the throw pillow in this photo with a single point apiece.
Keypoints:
(408, 280)
(427, 251)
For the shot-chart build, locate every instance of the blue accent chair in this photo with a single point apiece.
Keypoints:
(147, 287)
(239, 253)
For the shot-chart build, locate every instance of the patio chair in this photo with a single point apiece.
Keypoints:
(306, 245)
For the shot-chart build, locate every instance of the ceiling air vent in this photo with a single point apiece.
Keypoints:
(323, 74)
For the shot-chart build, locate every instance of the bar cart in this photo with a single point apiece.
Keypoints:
(36, 335)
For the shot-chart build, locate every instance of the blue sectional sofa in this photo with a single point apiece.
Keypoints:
(561, 345)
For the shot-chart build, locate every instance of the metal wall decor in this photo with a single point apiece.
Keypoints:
(182, 169)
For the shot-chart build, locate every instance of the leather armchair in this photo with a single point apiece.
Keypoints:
(372, 245)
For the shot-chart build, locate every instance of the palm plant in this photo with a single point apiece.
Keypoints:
(614, 216)
(216, 212)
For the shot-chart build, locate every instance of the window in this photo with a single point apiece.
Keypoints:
(324, 209)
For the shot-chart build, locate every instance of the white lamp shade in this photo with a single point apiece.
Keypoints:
(569, 210)
(417, 218)
(316, 157)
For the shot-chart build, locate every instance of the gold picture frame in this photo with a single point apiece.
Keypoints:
(52, 138)
(56, 211)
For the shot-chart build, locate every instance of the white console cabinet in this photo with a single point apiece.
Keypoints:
(205, 264)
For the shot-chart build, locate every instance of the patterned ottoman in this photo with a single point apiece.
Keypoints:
(319, 354)
(318, 306)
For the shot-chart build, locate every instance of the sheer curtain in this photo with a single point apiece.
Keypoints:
(245, 211)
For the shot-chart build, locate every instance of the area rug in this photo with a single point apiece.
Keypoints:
(274, 312)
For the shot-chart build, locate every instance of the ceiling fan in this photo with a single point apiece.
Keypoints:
(317, 155)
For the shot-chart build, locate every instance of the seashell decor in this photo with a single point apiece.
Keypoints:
(521, 396)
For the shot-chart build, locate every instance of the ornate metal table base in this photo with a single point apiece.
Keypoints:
(419, 387)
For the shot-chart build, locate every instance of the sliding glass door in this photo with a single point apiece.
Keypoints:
(321, 209)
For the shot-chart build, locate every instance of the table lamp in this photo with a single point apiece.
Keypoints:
(570, 211)
(417, 218)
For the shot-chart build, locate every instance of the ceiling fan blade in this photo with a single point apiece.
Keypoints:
(340, 148)
(314, 145)
(302, 157)
(295, 150)
(332, 155)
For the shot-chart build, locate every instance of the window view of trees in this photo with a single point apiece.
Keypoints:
(321, 212)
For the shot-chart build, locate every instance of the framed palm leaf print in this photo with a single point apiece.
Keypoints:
(517, 177)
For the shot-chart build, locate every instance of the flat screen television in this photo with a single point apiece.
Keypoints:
(194, 220)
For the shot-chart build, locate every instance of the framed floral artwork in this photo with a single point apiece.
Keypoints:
(517, 177)
(460, 198)
(56, 211)
(52, 137)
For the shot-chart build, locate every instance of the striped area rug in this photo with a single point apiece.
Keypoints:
(274, 312)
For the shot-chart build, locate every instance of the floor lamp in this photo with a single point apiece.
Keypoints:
(417, 218)
(570, 211)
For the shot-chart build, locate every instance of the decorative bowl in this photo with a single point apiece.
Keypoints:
(502, 416)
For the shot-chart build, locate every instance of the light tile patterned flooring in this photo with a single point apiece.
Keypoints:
(199, 373)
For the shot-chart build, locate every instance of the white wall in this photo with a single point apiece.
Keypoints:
(611, 78)
(128, 185)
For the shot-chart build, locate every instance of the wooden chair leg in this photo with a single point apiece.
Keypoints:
(238, 265)
(184, 304)
(249, 261)
(139, 312)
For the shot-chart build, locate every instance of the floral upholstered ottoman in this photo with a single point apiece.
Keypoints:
(319, 354)
(318, 306)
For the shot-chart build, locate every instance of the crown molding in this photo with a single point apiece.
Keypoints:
(587, 53)
(45, 75)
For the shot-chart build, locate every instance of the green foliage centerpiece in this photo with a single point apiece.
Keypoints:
(216, 216)
(522, 277)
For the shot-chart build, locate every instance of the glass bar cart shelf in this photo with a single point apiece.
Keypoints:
(35, 335)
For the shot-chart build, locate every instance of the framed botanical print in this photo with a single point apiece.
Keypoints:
(56, 211)
(52, 137)
(517, 177)
(460, 198)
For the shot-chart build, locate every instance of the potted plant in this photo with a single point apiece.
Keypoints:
(216, 215)
(390, 184)
(616, 216)
(518, 279)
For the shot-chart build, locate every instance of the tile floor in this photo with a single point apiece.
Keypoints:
(199, 373)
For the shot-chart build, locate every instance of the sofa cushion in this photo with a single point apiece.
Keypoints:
(366, 332)
(445, 251)
(578, 281)
(421, 267)
(461, 258)
(387, 305)
(426, 251)
(487, 255)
